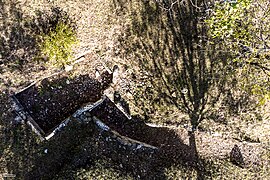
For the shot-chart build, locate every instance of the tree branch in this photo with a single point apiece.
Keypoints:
(260, 66)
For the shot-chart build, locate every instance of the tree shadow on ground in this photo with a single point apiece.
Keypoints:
(169, 54)
(172, 150)
(18, 143)
(20, 34)
(59, 151)
(168, 42)
(179, 68)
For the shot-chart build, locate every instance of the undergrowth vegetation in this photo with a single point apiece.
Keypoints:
(185, 74)
(57, 36)
(242, 29)
(58, 44)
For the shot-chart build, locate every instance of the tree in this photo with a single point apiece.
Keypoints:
(188, 57)
(242, 27)
(167, 41)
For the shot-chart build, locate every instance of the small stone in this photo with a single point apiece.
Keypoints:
(139, 146)
(184, 90)
(46, 151)
(236, 156)
(22, 115)
(18, 119)
(68, 68)
(83, 117)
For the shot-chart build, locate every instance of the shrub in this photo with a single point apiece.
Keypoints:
(56, 35)
(241, 29)
(57, 45)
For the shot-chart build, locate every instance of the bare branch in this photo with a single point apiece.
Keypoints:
(265, 69)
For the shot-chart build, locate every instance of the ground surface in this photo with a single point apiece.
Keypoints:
(78, 155)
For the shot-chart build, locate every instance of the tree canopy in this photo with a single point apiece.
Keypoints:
(242, 28)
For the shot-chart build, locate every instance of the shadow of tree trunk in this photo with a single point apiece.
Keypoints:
(179, 68)
(167, 43)
(172, 43)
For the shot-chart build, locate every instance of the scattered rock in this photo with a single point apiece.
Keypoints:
(68, 68)
(236, 156)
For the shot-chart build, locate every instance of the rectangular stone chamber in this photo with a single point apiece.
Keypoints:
(46, 104)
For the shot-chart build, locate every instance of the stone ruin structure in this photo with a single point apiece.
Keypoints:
(42, 115)
(55, 104)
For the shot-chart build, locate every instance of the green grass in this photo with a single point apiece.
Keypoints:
(58, 44)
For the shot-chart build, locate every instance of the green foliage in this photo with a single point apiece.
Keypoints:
(241, 28)
(58, 43)
(229, 21)
(262, 92)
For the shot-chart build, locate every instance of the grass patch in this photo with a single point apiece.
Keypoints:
(57, 45)
(57, 38)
